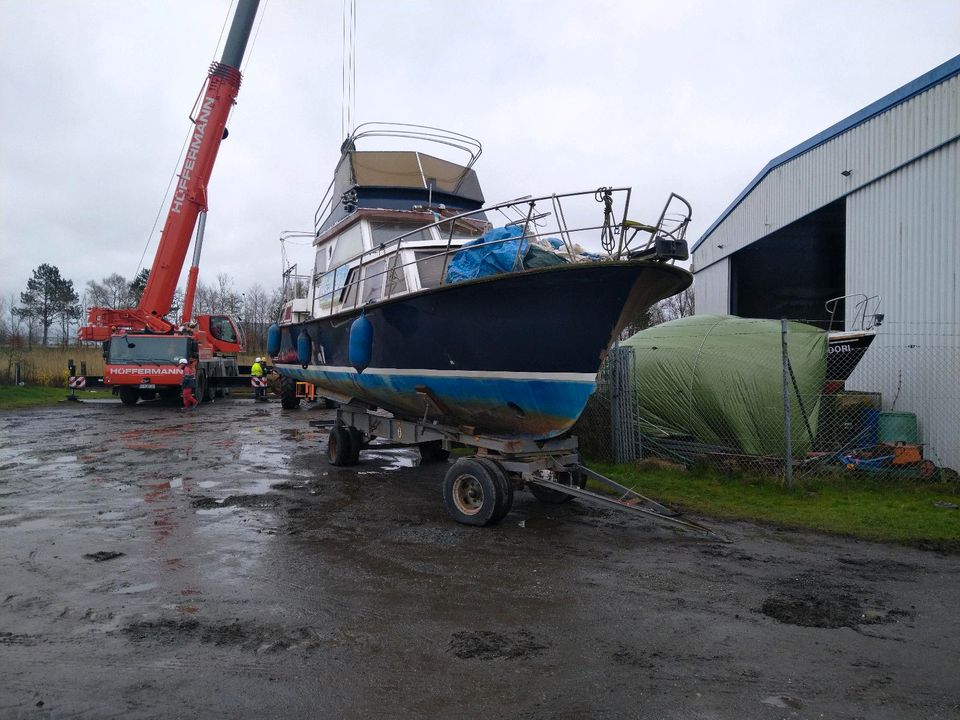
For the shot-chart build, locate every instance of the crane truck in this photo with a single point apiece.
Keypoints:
(141, 345)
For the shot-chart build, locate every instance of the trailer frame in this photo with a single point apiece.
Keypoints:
(551, 469)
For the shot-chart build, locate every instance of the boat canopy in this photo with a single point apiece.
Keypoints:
(403, 169)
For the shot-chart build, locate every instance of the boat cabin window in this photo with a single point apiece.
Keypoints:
(329, 287)
(323, 254)
(430, 266)
(348, 244)
(373, 281)
(461, 230)
(382, 232)
(349, 295)
(396, 280)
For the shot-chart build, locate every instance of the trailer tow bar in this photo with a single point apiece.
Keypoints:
(628, 500)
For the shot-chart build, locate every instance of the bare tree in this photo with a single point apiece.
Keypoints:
(112, 292)
(256, 316)
(679, 305)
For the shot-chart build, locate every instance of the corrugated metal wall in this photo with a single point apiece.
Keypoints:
(903, 243)
(814, 179)
(711, 289)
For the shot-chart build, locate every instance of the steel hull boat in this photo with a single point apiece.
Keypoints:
(512, 355)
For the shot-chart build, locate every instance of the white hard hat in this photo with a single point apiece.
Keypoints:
(183, 361)
(259, 360)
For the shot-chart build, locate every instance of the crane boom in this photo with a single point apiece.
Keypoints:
(190, 196)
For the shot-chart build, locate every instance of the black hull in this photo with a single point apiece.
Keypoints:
(549, 327)
(844, 353)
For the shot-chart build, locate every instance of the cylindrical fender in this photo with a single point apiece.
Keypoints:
(273, 340)
(304, 348)
(361, 343)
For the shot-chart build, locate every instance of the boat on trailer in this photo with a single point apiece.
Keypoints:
(426, 303)
(434, 319)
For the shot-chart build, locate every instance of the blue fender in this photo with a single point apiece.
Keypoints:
(304, 348)
(273, 340)
(361, 343)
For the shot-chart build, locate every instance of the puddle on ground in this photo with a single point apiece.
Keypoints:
(391, 459)
(782, 701)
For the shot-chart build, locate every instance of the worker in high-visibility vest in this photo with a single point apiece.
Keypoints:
(259, 371)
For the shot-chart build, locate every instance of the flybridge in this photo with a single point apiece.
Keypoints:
(202, 119)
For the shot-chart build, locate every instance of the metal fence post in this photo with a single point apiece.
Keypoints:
(787, 431)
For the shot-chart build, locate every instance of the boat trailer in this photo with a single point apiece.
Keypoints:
(478, 490)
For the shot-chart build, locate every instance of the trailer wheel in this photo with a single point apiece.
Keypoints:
(288, 393)
(129, 396)
(433, 452)
(555, 497)
(340, 447)
(356, 442)
(506, 488)
(471, 492)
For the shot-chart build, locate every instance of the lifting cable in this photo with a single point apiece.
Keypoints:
(348, 69)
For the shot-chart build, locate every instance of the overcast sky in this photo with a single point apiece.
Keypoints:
(693, 97)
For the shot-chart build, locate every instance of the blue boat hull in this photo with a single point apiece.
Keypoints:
(513, 355)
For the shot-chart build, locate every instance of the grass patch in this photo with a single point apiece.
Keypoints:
(13, 397)
(887, 510)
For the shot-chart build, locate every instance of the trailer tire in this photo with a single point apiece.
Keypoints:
(506, 489)
(340, 447)
(356, 442)
(288, 393)
(129, 396)
(471, 492)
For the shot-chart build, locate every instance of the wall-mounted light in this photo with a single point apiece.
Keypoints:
(846, 173)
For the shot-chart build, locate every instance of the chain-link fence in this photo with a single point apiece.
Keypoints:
(783, 399)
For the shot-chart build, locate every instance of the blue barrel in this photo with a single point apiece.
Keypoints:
(361, 343)
(273, 340)
(304, 349)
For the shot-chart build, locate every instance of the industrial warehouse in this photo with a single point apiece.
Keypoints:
(868, 210)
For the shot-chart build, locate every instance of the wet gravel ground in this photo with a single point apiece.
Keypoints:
(161, 565)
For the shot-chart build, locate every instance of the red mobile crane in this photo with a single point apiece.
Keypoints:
(141, 346)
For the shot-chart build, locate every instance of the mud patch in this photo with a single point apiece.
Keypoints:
(814, 602)
(631, 658)
(269, 500)
(7, 638)
(489, 645)
(244, 635)
(103, 555)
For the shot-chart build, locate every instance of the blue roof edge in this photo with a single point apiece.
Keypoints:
(933, 77)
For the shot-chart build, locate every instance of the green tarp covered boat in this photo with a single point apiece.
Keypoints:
(719, 380)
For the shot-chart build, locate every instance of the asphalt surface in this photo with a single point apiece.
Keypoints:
(161, 565)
